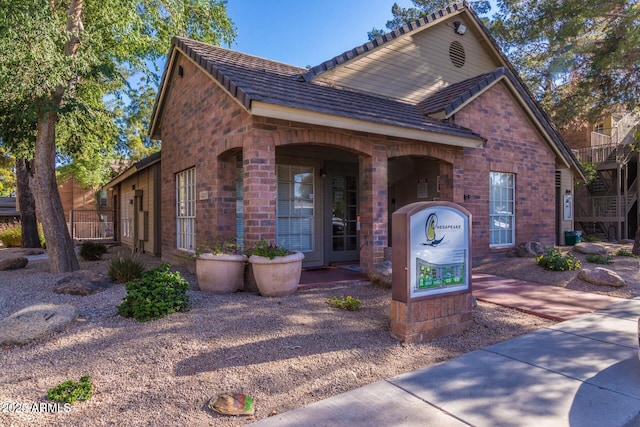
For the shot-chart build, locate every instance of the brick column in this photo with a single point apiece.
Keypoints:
(374, 213)
(259, 184)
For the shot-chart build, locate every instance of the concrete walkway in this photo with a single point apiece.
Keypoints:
(582, 372)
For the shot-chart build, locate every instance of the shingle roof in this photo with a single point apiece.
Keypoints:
(251, 78)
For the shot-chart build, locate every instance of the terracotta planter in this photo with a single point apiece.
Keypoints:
(220, 274)
(279, 276)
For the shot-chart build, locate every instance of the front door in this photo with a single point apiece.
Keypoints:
(341, 226)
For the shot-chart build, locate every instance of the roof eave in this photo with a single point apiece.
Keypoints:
(264, 109)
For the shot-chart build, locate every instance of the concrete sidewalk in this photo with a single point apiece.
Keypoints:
(582, 372)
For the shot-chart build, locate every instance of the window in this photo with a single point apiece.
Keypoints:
(501, 209)
(186, 209)
(126, 214)
(102, 198)
(295, 208)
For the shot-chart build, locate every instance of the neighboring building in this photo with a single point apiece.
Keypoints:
(9, 212)
(318, 159)
(89, 213)
(135, 195)
(608, 205)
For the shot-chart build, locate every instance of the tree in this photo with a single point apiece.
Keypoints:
(7, 173)
(402, 16)
(58, 56)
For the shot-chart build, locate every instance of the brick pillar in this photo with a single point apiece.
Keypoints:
(374, 214)
(259, 184)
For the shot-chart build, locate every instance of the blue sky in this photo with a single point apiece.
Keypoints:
(302, 32)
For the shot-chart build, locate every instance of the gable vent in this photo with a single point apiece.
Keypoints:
(456, 54)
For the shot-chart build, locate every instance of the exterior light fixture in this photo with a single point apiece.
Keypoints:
(459, 27)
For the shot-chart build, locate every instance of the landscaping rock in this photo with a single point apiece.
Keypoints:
(602, 277)
(530, 249)
(232, 404)
(82, 282)
(590, 248)
(13, 263)
(380, 274)
(35, 322)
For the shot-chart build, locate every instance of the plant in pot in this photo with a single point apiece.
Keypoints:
(220, 268)
(276, 269)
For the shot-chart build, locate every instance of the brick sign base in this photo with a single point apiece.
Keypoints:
(427, 319)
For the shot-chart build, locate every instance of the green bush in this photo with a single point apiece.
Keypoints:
(123, 270)
(553, 259)
(599, 259)
(71, 391)
(625, 252)
(11, 236)
(158, 293)
(92, 251)
(346, 303)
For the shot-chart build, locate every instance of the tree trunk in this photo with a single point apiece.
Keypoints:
(27, 203)
(62, 257)
(636, 243)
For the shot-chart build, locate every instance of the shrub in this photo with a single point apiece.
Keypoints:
(625, 252)
(599, 259)
(71, 391)
(92, 251)
(158, 293)
(268, 250)
(553, 259)
(11, 236)
(123, 270)
(590, 238)
(346, 303)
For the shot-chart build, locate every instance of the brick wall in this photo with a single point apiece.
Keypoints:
(514, 146)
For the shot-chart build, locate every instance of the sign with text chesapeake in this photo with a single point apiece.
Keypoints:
(437, 240)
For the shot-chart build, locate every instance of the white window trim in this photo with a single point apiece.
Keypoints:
(186, 218)
(512, 215)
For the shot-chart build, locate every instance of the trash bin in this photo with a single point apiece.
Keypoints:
(572, 237)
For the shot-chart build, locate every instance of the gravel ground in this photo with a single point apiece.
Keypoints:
(285, 352)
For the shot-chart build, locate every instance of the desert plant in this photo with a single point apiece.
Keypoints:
(71, 391)
(92, 251)
(346, 303)
(625, 252)
(11, 236)
(158, 293)
(599, 259)
(553, 259)
(125, 269)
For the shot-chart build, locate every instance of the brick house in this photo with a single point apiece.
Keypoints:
(89, 213)
(318, 159)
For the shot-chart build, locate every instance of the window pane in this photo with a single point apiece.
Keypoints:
(295, 207)
(501, 208)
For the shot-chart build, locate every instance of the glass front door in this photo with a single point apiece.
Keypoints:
(343, 237)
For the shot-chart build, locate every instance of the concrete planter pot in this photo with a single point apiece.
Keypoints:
(279, 276)
(223, 273)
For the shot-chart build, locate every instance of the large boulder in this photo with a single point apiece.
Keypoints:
(13, 263)
(380, 274)
(530, 249)
(35, 322)
(602, 277)
(590, 248)
(82, 282)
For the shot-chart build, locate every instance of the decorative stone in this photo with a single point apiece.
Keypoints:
(602, 277)
(590, 248)
(13, 263)
(35, 322)
(82, 282)
(380, 274)
(530, 249)
(232, 404)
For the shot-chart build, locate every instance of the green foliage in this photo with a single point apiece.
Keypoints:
(599, 259)
(222, 244)
(92, 251)
(159, 293)
(590, 238)
(553, 259)
(625, 252)
(71, 391)
(125, 269)
(268, 250)
(11, 236)
(591, 171)
(345, 303)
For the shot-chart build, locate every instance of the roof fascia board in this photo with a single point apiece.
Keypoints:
(157, 111)
(131, 170)
(264, 109)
